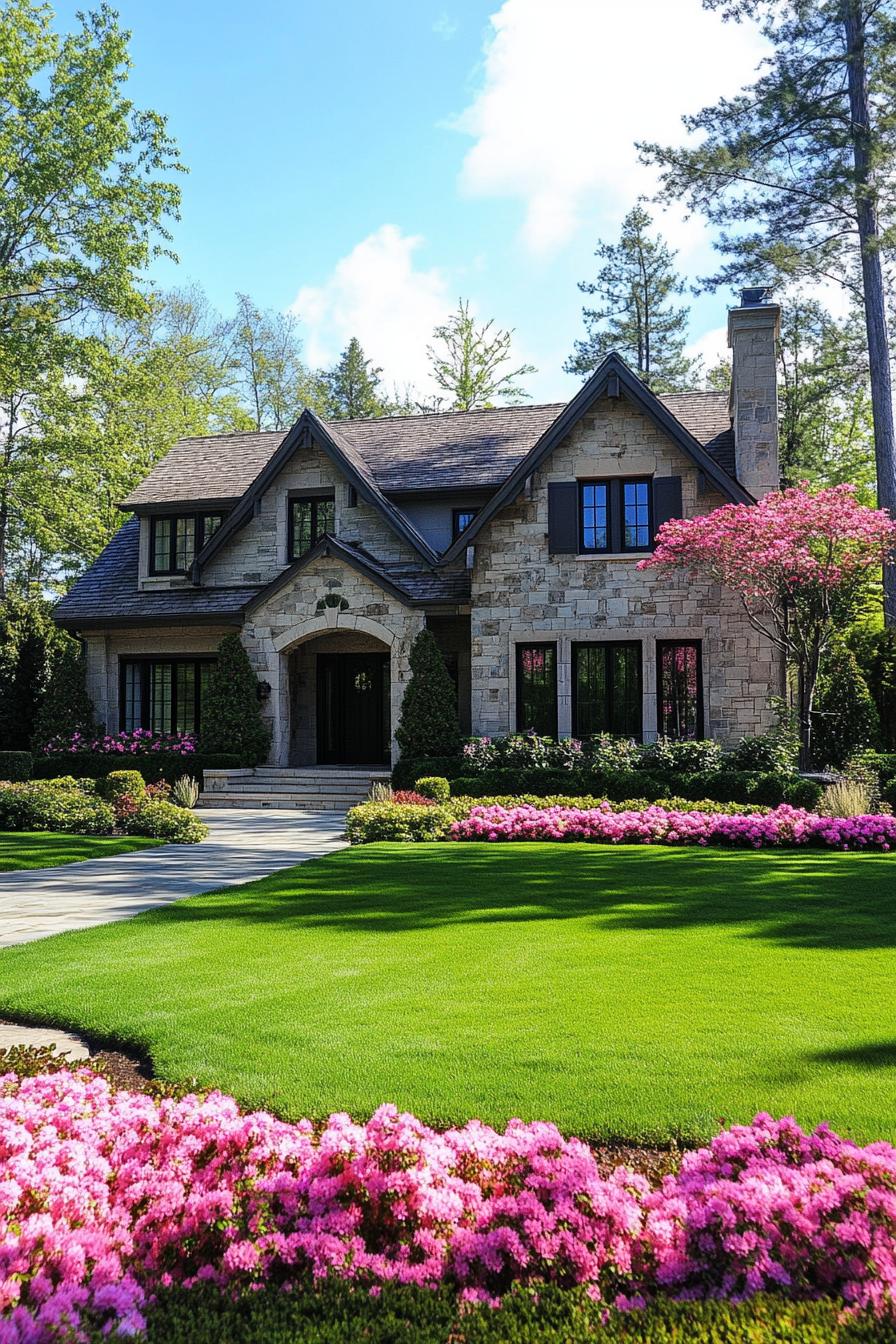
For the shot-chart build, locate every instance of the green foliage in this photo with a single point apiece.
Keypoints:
(685, 757)
(636, 314)
(121, 784)
(722, 786)
(267, 356)
(435, 787)
(15, 765)
(775, 752)
(43, 806)
(429, 725)
(845, 717)
(153, 767)
(369, 822)
(66, 707)
(338, 1312)
(351, 389)
(876, 653)
(164, 821)
(28, 639)
(232, 721)
(409, 769)
(468, 359)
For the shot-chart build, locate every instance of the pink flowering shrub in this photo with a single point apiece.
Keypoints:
(140, 742)
(784, 825)
(106, 1195)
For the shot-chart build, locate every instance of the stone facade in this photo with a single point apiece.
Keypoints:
(521, 594)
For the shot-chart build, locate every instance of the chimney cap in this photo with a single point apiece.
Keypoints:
(755, 296)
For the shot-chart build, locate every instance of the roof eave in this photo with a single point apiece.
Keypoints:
(328, 545)
(637, 391)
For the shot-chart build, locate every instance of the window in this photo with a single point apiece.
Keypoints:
(595, 516)
(536, 689)
(635, 515)
(461, 520)
(309, 518)
(175, 540)
(606, 689)
(679, 689)
(615, 515)
(163, 694)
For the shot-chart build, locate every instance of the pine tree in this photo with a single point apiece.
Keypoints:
(429, 724)
(636, 315)
(845, 717)
(231, 714)
(353, 386)
(468, 363)
(67, 708)
(795, 172)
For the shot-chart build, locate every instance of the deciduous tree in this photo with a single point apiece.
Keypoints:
(799, 562)
(468, 361)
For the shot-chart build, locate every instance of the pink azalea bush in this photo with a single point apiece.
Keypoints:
(780, 826)
(139, 742)
(104, 1196)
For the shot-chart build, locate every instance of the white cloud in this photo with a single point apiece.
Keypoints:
(711, 347)
(377, 294)
(569, 85)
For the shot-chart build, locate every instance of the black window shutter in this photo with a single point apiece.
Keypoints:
(563, 517)
(666, 500)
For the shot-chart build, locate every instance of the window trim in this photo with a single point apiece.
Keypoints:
(314, 500)
(455, 514)
(199, 538)
(146, 661)
(615, 488)
(518, 658)
(661, 645)
(606, 644)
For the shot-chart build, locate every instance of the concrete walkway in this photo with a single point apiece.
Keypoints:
(243, 844)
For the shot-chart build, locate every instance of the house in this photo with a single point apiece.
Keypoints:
(514, 534)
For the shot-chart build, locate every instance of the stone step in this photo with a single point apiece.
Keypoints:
(301, 803)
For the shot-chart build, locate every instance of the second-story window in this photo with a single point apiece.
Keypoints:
(176, 539)
(309, 518)
(615, 515)
(461, 520)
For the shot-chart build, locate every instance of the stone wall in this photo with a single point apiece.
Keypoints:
(520, 593)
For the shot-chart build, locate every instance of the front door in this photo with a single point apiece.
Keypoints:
(353, 726)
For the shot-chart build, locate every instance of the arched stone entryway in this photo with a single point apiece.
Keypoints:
(339, 691)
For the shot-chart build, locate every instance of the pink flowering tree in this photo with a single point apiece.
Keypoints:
(799, 562)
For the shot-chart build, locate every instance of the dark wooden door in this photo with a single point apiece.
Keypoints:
(353, 725)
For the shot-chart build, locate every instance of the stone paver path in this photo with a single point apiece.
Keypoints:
(62, 1042)
(243, 844)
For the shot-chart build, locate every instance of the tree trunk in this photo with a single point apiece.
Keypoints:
(4, 532)
(872, 280)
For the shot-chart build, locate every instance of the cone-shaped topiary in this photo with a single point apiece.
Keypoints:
(429, 724)
(845, 718)
(231, 714)
(66, 707)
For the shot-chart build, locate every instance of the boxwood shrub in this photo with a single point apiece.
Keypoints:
(721, 786)
(15, 765)
(46, 806)
(339, 1312)
(164, 821)
(153, 768)
(369, 822)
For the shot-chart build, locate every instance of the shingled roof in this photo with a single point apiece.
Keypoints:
(456, 450)
(108, 594)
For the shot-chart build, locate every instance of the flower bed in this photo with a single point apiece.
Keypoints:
(140, 742)
(783, 826)
(107, 1196)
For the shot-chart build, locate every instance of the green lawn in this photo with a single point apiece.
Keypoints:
(47, 849)
(636, 991)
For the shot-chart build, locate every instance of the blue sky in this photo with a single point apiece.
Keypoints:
(367, 164)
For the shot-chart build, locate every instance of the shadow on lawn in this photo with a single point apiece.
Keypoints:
(805, 899)
(871, 1055)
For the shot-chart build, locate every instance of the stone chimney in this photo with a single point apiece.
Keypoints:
(752, 335)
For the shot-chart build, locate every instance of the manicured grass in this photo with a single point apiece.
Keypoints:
(47, 849)
(618, 991)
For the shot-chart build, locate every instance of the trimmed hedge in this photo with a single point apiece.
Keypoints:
(164, 821)
(153, 768)
(721, 786)
(407, 771)
(334, 1312)
(15, 765)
